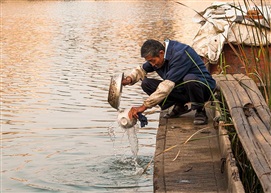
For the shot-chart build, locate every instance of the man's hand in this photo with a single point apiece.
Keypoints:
(134, 110)
(127, 80)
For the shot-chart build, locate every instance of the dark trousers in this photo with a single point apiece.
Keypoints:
(191, 91)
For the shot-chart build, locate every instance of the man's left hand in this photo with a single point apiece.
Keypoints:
(134, 110)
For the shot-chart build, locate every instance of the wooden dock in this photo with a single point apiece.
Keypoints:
(188, 158)
(191, 158)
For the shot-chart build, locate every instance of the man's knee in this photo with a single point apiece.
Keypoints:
(149, 85)
(191, 81)
(145, 84)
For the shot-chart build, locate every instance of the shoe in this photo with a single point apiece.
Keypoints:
(177, 111)
(200, 118)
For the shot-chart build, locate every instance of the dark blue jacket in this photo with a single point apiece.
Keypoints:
(180, 60)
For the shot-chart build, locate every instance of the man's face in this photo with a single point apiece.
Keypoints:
(156, 61)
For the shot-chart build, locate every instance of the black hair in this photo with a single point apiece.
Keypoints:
(151, 47)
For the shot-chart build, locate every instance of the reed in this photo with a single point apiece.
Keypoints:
(255, 62)
(260, 72)
(255, 59)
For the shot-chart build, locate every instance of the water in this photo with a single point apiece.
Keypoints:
(58, 133)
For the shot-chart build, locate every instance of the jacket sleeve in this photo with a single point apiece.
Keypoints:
(162, 91)
(137, 74)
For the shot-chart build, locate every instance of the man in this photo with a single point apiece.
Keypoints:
(184, 79)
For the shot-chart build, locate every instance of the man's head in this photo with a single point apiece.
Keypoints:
(153, 52)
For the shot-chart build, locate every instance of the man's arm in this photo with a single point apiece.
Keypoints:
(137, 74)
(162, 91)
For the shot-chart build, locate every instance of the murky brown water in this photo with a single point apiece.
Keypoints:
(59, 134)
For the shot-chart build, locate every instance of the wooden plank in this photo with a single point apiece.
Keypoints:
(256, 98)
(251, 133)
(263, 139)
(257, 127)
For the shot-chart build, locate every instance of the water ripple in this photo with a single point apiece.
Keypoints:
(57, 61)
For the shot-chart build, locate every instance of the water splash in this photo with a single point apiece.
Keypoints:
(138, 169)
(112, 135)
(131, 166)
(133, 140)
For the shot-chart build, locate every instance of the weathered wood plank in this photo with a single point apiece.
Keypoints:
(250, 128)
(258, 128)
(256, 98)
(263, 139)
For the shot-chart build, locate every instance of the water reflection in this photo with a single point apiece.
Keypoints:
(57, 61)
